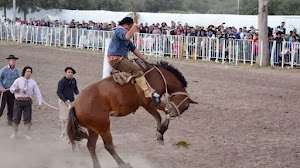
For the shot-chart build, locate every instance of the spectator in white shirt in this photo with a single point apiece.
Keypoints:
(24, 89)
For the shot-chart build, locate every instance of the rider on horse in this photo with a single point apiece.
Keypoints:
(117, 56)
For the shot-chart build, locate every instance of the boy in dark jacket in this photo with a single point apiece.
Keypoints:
(67, 86)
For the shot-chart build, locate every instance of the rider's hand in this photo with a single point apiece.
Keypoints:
(145, 58)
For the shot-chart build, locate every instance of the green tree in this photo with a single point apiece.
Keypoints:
(113, 5)
(27, 6)
(6, 4)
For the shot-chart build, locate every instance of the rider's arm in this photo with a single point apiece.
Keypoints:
(133, 29)
(131, 32)
(139, 54)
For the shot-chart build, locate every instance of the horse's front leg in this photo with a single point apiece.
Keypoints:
(161, 127)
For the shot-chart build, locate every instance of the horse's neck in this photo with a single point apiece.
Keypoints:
(164, 77)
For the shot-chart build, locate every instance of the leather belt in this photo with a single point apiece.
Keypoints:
(110, 58)
(23, 98)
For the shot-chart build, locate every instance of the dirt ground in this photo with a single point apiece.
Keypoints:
(246, 117)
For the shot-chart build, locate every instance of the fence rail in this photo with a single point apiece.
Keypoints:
(180, 47)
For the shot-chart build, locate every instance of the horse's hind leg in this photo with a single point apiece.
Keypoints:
(109, 146)
(91, 145)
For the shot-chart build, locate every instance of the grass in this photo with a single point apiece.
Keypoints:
(182, 144)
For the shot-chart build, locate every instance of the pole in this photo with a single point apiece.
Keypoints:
(133, 9)
(14, 10)
(238, 7)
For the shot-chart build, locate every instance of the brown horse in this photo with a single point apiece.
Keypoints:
(106, 98)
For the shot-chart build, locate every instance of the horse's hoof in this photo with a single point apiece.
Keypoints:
(159, 136)
(125, 165)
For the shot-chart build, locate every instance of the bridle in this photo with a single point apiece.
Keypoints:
(168, 96)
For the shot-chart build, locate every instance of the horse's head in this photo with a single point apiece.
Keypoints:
(175, 84)
(179, 103)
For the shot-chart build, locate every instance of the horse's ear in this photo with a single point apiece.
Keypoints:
(193, 102)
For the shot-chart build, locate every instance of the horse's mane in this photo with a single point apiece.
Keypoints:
(167, 66)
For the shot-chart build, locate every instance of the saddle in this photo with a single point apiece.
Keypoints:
(124, 77)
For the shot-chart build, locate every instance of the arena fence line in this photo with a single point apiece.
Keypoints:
(172, 46)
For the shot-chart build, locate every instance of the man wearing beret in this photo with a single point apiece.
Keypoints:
(67, 86)
(8, 75)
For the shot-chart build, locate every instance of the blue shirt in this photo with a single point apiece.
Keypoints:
(8, 76)
(119, 45)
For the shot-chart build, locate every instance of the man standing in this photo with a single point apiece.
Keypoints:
(24, 89)
(8, 75)
(67, 86)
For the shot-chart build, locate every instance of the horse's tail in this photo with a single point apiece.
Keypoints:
(75, 128)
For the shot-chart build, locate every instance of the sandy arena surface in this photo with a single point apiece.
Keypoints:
(246, 117)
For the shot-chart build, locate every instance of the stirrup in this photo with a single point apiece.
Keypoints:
(155, 98)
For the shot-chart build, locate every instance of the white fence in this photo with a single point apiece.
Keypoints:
(180, 47)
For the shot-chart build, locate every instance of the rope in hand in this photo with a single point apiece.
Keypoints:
(50, 105)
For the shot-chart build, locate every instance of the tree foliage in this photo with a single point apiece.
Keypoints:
(247, 7)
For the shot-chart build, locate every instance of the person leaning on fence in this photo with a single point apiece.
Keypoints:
(8, 75)
(24, 89)
(118, 51)
(67, 86)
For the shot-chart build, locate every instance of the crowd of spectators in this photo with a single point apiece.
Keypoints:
(222, 31)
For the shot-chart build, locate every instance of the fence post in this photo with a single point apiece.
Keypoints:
(98, 40)
(209, 49)
(76, 41)
(282, 57)
(1, 28)
(244, 51)
(237, 53)
(37, 35)
(55, 34)
(261, 53)
(223, 51)
(32, 34)
(196, 48)
(103, 40)
(51, 37)
(272, 53)
(164, 45)
(252, 53)
(187, 47)
(203, 44)
(59, 37)
(151, 45)
(47, 36)
(293, 55)
(71, 38)
(179, 46)
(94, 36)
(217, 50)
(20, 34)
(156, 46)
(65, 36)
(145, 44)
(106, 66)
(82, 38)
